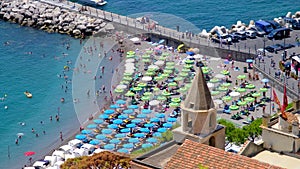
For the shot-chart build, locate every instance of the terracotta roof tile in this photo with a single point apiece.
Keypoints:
(191, 154)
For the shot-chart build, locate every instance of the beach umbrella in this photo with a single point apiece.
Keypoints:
(170, 63)
(241, 77)
(165, 93)
(126, 78)
(167, 125)
(146, 60)
(162, 130)
(113, 126)
(121, 102)
(183, 89)
(263, 89)
(220, 76)
(160, 115)
(242, 103)
(214, 93)
(109, 111)
(149, 125)
(169, 67)
(139, 135)
(98, 121)
(144, 130)
(225, 72)
(29, 153)
(249, 60)
(137, 89)
(118, 121)
(113, 106)
(156, 134)
(155, 67)
(80, 137)
(250, 86)
(129, 70)
(178, 78)
(118, 90)
(129, 94)
(249, 99)
(106, 131)
(145, 98)
(130, 52)
(94, 142)
(153, 102)
(149, 73)
(120, 135)
(226, 62)
(103, 116)
(123, 150)
(109, 146)
(146, 145)
(233, 107)
(123, 116)
(218, 101)
(128, 145)
(188, 85)
(173, 104)
(159, 63)
(146, 56)
(136, 120)
(210, 85)
(146, 78)
(125, 130)
(234, 94)
(256, 94)
(172, 119)
(142, 84)
(114, 141)
(130, 60)
(133, 107)
(91, 126)
(128, 111)
(130, 56)
(141, 116)
(131, 125)
(100, 137)
(128, 74)
(164, 54)
(20, 134)
(188, 61)
(124, 82)
(162, 58)
(152, 140)
(158, 78)
(172, 84)
(161, 98)
(241, 90)
(146, 111)
(226, 98)
(186, 70)
(265, 80)
(223, 89)
(86, 132)
(166, 71)
(214, 80)
(183, 74)
(165, 75)
(154, 119)
(133, 140)
(226, 84)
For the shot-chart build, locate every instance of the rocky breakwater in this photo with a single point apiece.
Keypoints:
(52, 18)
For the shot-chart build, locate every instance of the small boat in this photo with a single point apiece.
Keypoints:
(28, 94)
(99, 2)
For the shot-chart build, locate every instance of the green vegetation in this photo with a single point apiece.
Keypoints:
(200, 166)
(239, 135)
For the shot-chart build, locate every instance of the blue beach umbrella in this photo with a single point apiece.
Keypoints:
(133, 140)
(109, 111)
(103, 116)
(172, 119)
(139, 135)
(113, 126)
(86, 131)
(148, 125)
(146, 111)
(80, 137)
(249, 60)
(141, 116)
(167, 125)
(106, 131)
(152, 140)
(146, 145)
(114, 141)
(118, 121)
(114, 106)
(91, 126)
(160, 115)
(98, 121)
(144, 130)
(128, 145)
(265, 80)
(133, 107)
(101, 137)
(131, 125)
(121, 102)
(123, 150)
(109, 146)
(120, 135)
(162, 130)
(123, 116)
(156, 134)
(128, 111)
(154, 119)
(136, 121)
(94, 142)
(125, 130)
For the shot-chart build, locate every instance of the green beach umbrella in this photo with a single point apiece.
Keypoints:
(249, 99)
(165, 54)
(188, 85)
(146, 56)
(165, 93)
(141, 84)
(130, 52)
(185, 70)
(124, 82)
(129, 94)
(173, 104)
(183, 89)
(130, 56)
(241, 77)
(162, 58)
(149, 73)
(146, 60)
(241, 90)
(168, 71)
(145, 98)
(172, 84)
(222, 89)
(226, 98)
(127, 78)
(214, 80)
(170, 63)
(169, 67)
(250, 86)
(242, 103)
(188, 61)
(182, 74)
(149, 52)
(156, 89)
(225, 84)
(256, 94)
(263, 89)
(214, 93)
(164, 75)
(161, 98)
(151, 69)
(158, 78)
(178, 78)
(225, 72)
(187, 66)
(118, 90)
(128, 74)
(137, 89)
(233, 107)
(176, 100)
(147, 94)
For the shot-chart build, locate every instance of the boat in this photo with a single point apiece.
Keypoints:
(28, 94)
(99, 2)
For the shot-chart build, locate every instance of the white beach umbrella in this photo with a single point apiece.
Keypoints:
(153, 67)
(220, 76)
(234, 94)
(218, 101)
(153, 102)
(210, 85)
(129, 71)
(147, 78)
(131, 60)
(159, 63)
(121, 86)
(198, 56)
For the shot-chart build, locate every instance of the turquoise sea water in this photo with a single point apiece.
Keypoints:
(38, 72)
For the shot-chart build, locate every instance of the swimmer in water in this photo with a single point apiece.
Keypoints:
(22, 123)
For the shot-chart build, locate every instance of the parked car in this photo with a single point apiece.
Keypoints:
(224, 39)
(251, 34)
(280, 33)
(241, 35)
(274, 48)
(234, 38)
(287, 45)
(295, 23)
(274, 24)
(259, 32)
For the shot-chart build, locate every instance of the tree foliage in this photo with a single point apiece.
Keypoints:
(239, 135)
(106, 159)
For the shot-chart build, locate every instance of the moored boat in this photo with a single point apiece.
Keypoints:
(99, 2)
(28, 94)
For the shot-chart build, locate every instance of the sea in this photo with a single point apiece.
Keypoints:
(33, 60)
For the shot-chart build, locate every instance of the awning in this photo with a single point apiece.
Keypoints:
(296, 58)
